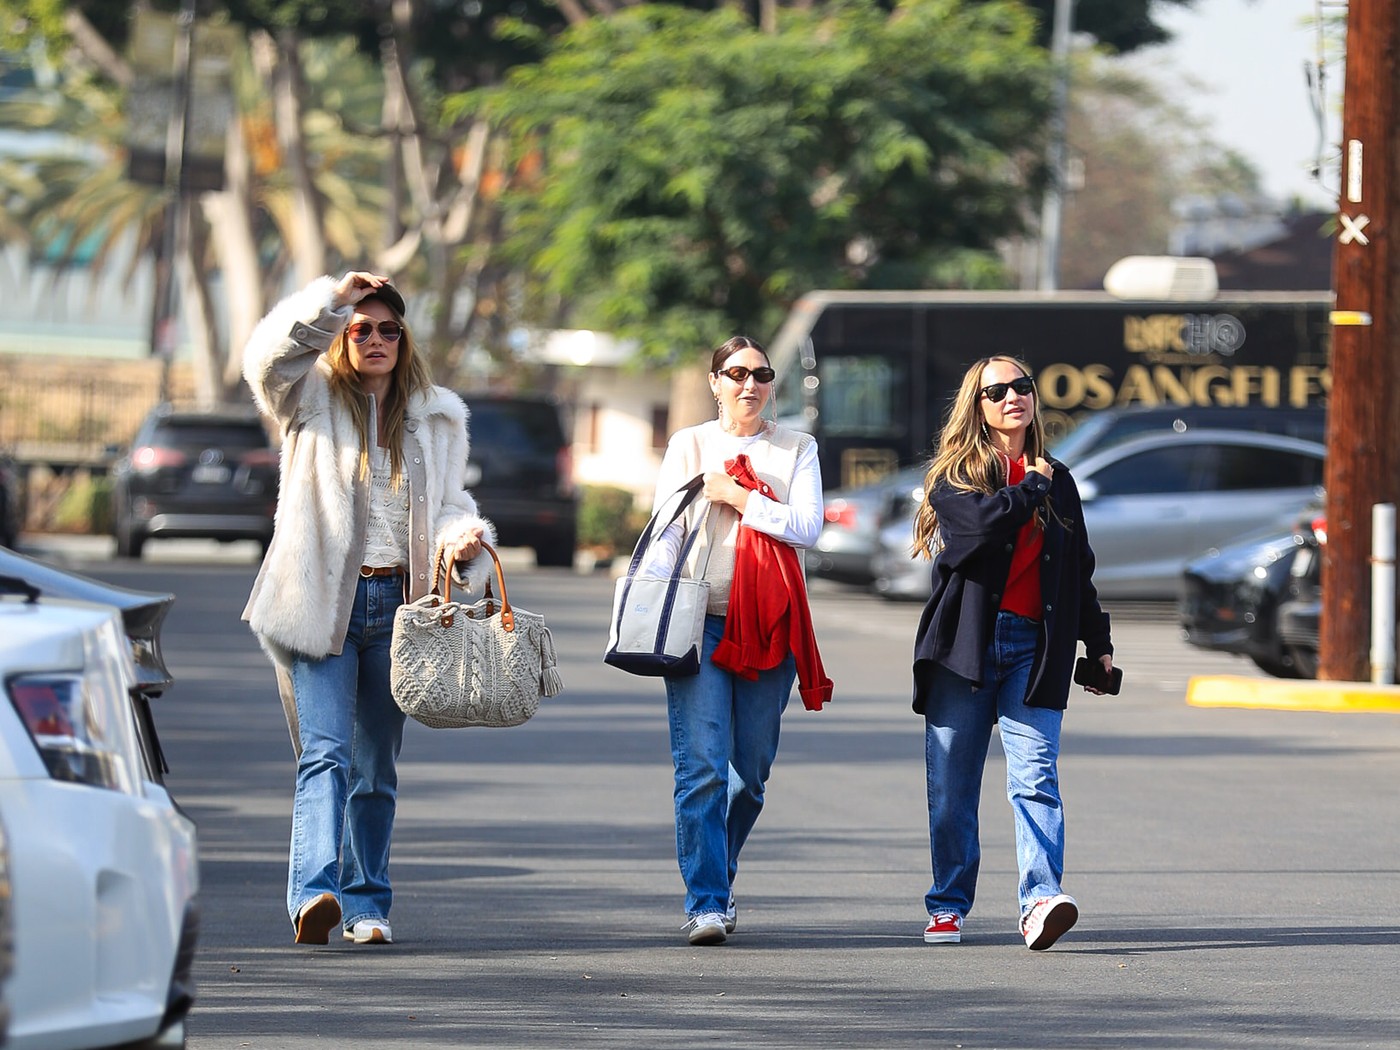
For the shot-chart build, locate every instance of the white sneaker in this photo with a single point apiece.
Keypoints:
(1048, 920)
(370, 931)
(706, 929)
(731, 916)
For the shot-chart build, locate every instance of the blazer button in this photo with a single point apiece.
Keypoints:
(1045, 557)
(299, 331)
(996, 597)
(1049, 607)
(1010, 546)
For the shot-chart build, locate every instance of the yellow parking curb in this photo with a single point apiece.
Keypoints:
(1288, 695)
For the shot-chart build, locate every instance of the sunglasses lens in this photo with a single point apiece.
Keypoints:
(997, 391)
(389, 331)
(740, 374)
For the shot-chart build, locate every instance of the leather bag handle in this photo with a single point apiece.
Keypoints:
(442, 571)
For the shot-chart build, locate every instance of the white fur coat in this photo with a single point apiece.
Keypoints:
(302, 598)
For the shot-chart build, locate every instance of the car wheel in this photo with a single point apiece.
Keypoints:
(130, 541)
(558, 553)
(1305, 661)
(1278, 666)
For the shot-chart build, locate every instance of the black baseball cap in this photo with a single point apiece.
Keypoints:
(391, 298)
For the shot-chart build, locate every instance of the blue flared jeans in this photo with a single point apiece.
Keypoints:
(347, 783)
(958, 728)
(724, 737)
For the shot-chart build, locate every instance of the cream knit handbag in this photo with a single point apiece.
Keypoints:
(485, 664)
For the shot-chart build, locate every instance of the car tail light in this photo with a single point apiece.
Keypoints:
(1319, 527)
(148, 457)
(839, 512)
(564, 467)
(81, 725)
(259, 457)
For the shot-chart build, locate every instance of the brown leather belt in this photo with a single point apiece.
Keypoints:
(380, 570)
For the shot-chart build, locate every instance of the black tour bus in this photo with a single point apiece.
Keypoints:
(870, 374)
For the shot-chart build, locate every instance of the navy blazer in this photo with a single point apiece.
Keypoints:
(978, 533)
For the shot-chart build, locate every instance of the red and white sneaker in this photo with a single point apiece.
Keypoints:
(1048, 920)
(944, 927)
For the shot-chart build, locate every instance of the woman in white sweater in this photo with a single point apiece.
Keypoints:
(724, 725)
(374, 459)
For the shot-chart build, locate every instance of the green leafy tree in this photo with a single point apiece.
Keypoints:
(699, 174)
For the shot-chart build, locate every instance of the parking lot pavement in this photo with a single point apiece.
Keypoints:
(1235, 868)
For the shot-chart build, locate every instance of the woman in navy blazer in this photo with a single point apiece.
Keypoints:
(1012, 597)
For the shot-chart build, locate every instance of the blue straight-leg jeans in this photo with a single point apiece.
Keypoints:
(958, 729)
(724, 737)
(347, 783)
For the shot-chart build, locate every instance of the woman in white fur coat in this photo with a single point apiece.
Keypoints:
(374, 459)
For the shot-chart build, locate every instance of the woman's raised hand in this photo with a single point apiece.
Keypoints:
(355, 285)
(1041, 465)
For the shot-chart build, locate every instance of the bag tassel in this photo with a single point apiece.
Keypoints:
(550, 681)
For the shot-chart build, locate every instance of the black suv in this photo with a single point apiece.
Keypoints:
(207, 474)
(521, 472)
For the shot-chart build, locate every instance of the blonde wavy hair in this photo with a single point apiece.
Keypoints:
(410, 376)
(966, 458)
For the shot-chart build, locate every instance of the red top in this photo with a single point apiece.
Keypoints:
(1022, 594)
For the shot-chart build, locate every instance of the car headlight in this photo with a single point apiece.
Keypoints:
(81, 726)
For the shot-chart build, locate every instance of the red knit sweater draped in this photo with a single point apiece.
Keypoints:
(768, 614)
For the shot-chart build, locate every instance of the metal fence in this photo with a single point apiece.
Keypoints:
(67, 412)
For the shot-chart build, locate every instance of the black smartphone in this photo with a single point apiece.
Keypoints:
(1091, 673)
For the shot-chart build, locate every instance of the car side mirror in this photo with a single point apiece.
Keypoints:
(1088, 491)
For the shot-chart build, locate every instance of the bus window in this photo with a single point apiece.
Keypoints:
(857, 395)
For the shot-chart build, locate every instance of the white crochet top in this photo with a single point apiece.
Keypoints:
(386, 537)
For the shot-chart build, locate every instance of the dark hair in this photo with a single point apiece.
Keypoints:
(730, 347)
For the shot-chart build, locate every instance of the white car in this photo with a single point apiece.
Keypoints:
(102, 863)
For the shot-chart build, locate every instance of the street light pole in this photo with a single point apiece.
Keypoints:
(1052, 205)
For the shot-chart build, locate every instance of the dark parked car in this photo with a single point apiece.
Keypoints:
(1300, 616)
(1233, 597)
(11, 502)
(521, 473)
(205, 474)
(1099, 430)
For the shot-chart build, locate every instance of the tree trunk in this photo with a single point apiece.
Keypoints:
(229, 215)
(309, 245)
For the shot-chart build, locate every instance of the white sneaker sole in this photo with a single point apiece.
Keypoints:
(1058, 921)
(703, 935)
(942, 938)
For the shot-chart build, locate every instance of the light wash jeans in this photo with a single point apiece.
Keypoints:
(724, 737)
(347, 784)
(958, 730)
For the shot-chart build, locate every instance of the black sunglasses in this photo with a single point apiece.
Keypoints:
(389, 331)
(739, 374)
(996, 391)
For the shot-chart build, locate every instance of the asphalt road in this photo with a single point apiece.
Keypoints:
(1237, 871)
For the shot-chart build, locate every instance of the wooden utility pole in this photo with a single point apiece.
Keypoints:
(1363, 416)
